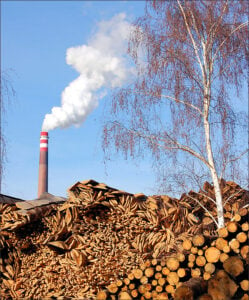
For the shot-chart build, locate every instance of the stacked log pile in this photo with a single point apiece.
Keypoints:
(99, 235)
(207, 268)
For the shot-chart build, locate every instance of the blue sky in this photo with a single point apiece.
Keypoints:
(35, 36)
(34, 39)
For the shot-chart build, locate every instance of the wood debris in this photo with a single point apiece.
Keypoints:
(106, 242)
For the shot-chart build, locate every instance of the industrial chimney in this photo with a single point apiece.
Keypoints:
(43, 164)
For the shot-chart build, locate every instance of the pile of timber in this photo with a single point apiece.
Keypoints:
(206, 269)
(76, 247)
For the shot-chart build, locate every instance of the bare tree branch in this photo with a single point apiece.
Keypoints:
(223, 42)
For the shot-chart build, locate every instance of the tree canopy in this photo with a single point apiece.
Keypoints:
(190, 57)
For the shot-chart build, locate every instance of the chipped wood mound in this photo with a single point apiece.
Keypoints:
(51, 247)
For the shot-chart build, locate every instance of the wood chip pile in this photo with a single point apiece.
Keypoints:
(78, 247)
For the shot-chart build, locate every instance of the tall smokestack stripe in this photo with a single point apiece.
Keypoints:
(43, 164)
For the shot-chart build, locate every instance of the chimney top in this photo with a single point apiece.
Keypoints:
(44, 133)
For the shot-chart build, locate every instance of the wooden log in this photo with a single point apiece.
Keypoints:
(144, 280)
(195, 272)
(158, 275)
(154, 282)
(119, 283)
(236, 217)
(123, 288)
(154, 294)
(102, 295)
(158, 268)
(245, 226)
(134, 293)
(233, 265)
(232, 226)
(244, 251)
(220, 243)
(191, 289)
(161, 281)
(159, 288)
(165, 271)
(191, 257)
(209, 268)
(206, 276)
(172, 263)
(212, 254)
(162, 296)
(223, 257)
(221, 286)
(172, 278)
(112, 288)
(181, 257)
(147, 295)
(170, 289)
(243, 212)
(124, 296)
(194, 250)
(245, 297)
(241, 237)
(163, 263)
(223, 232)
(244, 284)
(198, 240)
(181, 272)
(154, 262)
(131, 276)
(126, 281)
(141, 289)
(187, 244)
(149, 272)
(138, 273)
(234, 244)
(226, 249)
(131, 286)
(200, 252)
(148, 286)
(200, 261)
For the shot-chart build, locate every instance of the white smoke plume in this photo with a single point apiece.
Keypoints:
(101, 64)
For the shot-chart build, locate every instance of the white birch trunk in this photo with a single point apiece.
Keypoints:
(215, 179)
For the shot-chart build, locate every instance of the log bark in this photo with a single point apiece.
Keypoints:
(222, 287)
(233, 265)
(191, 289)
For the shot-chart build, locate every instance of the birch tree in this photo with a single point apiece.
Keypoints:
(190, 57)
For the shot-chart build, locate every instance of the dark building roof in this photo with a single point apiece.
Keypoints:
(9, 199)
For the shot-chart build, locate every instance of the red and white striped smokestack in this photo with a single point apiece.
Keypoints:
(43, 164)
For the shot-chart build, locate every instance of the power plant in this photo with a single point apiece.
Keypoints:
(43, 164)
